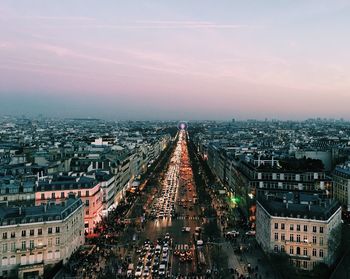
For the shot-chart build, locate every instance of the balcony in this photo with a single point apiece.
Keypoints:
(37, 248)
(300, 257)
(301, 243)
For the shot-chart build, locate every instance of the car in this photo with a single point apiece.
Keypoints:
(146, 272)
(250, 233)
(154, 269)
(165, 247)
(186, 229)
(232, 233)
(161, 270)
(138, 272)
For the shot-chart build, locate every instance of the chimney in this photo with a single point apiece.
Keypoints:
(20, 210)
(45, 207)
(309, 205)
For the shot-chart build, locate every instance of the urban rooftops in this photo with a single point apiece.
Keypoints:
(299, 205)
(41, 213)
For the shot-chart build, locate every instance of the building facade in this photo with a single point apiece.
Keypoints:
(38, 236)
(86, 188)
(341, 187)
(302, 227)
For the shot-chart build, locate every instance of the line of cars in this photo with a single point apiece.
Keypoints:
(153, 259)
(233, 234)
(165, 204)
(184, 252)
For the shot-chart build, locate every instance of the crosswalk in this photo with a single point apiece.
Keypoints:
(191, 277)
(187, 218)
(182, 247)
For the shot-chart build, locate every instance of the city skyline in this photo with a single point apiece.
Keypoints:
(175, 60)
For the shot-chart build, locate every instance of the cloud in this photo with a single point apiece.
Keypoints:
(188, 24)
(165, 24)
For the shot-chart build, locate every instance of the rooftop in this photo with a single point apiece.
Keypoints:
(299, 205)
(41, 213)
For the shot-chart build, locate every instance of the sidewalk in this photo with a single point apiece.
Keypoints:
(259, 264)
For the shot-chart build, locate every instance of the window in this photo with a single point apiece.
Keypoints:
(87, 212)
(13, 260)
(39, 257)
(321, 253)
(13, 234)
(4, 262)
(305, 228)
(24, 245)
(79, 193)
(49, 230)
(42, 196)
(275, 248)
(298, 250)
(57, 241)
(298, 228)
(49, 242)
(276, 236)
(314, 229)
(276, 226)
(283, 237)
(62, 195)
(13, 246)
(31, 232)
(4, 235)
(57, 229)
(321, 229)
(298, 237)
(291, 227)
(291, 250)
(314, 252)
(282, 248)
(282, 226)
(305, 239)
(314, 239)
(304, 264)
(53, 195)
(305, 251)
(31, 244)
(4, 247)
(24, 233)
(321, 240)
(291, 237)
(87, 202)
(40, 231)
(87, 193)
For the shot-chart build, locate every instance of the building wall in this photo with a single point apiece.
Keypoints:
(341, 188)
(306, 241)
(91, 197)
(40, 248)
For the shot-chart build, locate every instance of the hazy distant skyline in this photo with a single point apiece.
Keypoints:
(175, 59)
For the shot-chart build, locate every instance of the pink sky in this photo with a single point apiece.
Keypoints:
(144, 59)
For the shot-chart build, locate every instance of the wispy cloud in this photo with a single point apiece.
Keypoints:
(143, 25)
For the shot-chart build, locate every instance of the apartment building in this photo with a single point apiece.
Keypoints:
(303, 226)
(341, 188)
(57, 188)
(38, 236)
